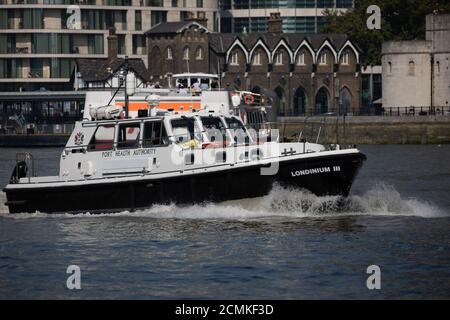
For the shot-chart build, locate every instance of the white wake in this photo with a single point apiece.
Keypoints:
(381, 200)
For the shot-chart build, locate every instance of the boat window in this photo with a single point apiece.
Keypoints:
(182, 83)
(193, 80)
(103, 138)
(214, 128)
(204, 84)
(129, 135)
(238, 131)
(154, 134)
(185, 129)
(255, 119)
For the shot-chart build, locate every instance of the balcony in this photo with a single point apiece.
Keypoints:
(21, 50)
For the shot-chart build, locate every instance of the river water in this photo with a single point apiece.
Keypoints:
(286, 245)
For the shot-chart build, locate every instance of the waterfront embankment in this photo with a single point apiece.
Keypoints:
(369, 129)
(33, 140)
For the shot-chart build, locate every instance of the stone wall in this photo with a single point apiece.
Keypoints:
(370, 130)
(438, 32)
(406, 74)
(417, 73)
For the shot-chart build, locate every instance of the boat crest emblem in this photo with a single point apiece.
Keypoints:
(79, 137)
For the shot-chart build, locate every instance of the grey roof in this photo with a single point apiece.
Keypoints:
(171, 27)
(97, 69)
(220, 42)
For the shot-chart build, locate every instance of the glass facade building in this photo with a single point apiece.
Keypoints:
(39, 45)
(304, 16)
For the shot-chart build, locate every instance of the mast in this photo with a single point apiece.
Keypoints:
(125, 70)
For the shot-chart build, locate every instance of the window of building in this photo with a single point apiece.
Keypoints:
(174, 3)
(3, 43)
(138, 20)
(390, 67)
(323, 58)
(95, 44)
(31, 19)
(344, 3)
(95, 19)
(199, 3)
(411, 68)
(199, 54)
(129, 135)
(279, 58)
(257, 59)
(345, 58)
(158, 17)
(301, 59)
(51, 43)
(169, 55)
(234, 58)
(121, 48)
(438, 66)
(61, 68)
(11, 68)
(139, 44)
(186, 53)
(11, 40)
(36, 68)
(301, 24)
(155, 3)
(3, 19)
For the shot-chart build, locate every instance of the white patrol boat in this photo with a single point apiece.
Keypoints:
(161, 146)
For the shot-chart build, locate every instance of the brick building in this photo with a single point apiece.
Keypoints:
(303, 73)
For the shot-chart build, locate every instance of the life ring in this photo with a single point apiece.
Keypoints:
(249, 99)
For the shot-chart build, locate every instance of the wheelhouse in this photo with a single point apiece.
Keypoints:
(207, 81)
(187, 131)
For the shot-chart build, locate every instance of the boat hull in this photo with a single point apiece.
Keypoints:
(229, 184)
(329, 175)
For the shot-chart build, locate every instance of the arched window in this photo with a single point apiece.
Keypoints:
(345, 58)
(323, 58)
(438, 66)
(169, 55)
(322, 101)
(411, 68)
(199, 53)
(256, 61)
(345, 101)
(279, 58)
(301, 59)
(280, 101)
(234, 58)
(186, 53)
(390, 67)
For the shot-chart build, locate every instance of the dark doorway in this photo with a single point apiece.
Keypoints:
(280, 102)
(300, 102)
(322, 101)
(345, 101)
